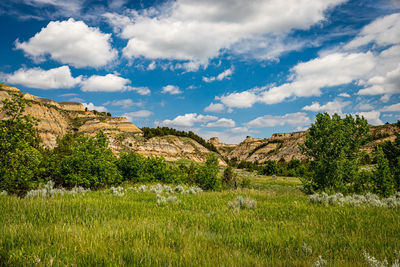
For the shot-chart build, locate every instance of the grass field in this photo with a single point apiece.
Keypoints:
(98, 228)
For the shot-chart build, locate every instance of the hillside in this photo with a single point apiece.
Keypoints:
(56, 119)
(285, 145)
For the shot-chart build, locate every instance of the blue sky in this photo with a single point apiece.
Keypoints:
(226, 68)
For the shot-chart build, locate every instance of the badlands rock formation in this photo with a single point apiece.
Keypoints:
(56, 119)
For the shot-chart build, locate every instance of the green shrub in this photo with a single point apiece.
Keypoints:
(269, 168)
(19, 144)
(156, 169)
(207, 174)
(333, 143)
(384, 183)
(131, 166)
(91, 164)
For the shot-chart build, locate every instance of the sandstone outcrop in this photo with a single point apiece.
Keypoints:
(56, 119)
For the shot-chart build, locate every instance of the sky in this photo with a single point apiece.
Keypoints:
(225, 68)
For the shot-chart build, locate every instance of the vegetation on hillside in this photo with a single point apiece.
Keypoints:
(162, 131)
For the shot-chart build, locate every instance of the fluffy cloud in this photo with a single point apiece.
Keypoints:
(225, 74)
(373, 117)
(344, 95)
(330, 70)
(44, 79)
(110, 83)
(131, 116)
(188, 120)
(124, 103)
(292, 119)
(383, 31)
(218, 107)
(223, 122)
(394, 107)
(181, 29)
(331, 107)
(377, 71)
(91, 106)
(171, 89)
(244, 99)
(70, 42)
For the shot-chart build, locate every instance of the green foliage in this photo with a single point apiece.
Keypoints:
(384, 184)
(156, 169)
(229, 179)
(162, 131)
(19, 143)
(131, 166)
(392, 153)
(269, 168)
(91, 164)
(207, 175)
(333, 143)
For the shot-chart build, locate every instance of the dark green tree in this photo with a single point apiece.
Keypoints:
(19, 147)
(207, 174)
(269, 168)
(384, 184)
(333, 143)
(88, 163)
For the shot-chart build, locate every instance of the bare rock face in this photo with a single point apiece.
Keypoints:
(56, 119)
(285, 145)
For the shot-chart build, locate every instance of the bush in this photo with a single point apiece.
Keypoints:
(207, 175)
(156, 169)
(131, 166)
(334, 143)
(91, 164)
(19, 144)
(384, 183)
(229, 179)
(269, 168)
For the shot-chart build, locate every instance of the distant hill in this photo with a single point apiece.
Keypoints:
(285, 145)
(56, 119)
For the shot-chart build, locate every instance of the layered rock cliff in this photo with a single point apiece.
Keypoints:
(285, 145)
(56, 119)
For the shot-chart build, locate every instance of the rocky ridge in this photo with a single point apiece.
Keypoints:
(56, 119)
(285, 145)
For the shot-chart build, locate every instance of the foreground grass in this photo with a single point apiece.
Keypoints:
(100, 229)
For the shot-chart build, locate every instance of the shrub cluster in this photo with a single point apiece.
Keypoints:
(49, 191)
(243, 203)
(368, 199)
(162, 131)
(81, 160)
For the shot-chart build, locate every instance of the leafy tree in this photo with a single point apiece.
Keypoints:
(131, 166)
(19, 143)
(229, 178)
(90, 164)
(392, 153)
(269, 168)
(384, 184)
(333, 143)
(207, 175)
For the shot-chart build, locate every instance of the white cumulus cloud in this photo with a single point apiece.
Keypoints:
(91, 106)
(131, 116)
(44, 79)
(110, 83)
(70, 42)
(124, 103)
(223, 122)
(197, 31)
(214, 107)
(331, 107)
(292, 119)
(171, 89)
(188, 120)
(226, 74)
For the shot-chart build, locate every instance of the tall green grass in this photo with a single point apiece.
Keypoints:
(100, 229)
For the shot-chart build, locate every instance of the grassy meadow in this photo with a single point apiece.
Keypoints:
(285, 229)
